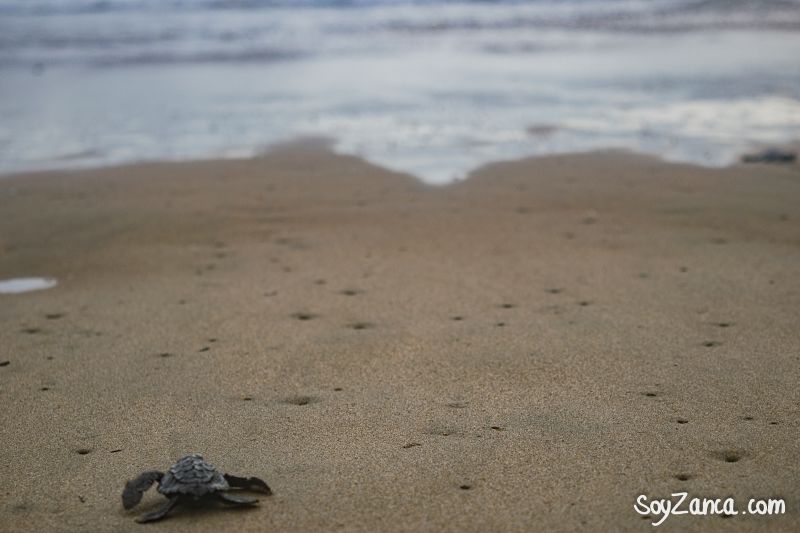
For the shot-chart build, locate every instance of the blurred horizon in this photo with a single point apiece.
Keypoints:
(432, 88)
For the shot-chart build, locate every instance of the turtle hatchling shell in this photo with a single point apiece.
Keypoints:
(192, 475)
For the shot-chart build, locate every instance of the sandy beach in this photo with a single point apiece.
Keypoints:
(530, 349)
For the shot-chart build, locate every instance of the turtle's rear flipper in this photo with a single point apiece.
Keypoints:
(249, 483)
(134, 488)
(159, 513)
(235, 500)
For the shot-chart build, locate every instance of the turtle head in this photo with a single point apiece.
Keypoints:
(135, 488)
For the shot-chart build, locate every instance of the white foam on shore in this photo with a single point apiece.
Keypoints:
(20, 285)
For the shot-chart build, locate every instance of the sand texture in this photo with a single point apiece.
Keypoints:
(527, 350)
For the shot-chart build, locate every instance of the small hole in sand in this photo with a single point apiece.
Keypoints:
(747, 418)
(729, 456)
(650, 394)
(724, 324)
(773, 423)
(338, 389)
(683, 477)
(350, 292)
(498, 428)
(204, 349)
(44, 389)
(31, 331)
(53, 316)
(554, 290)
(212, 340)
(584, 303)
(165, 354)
(500, 324)
(361, 325)
(465, 487)
(411, 445)
(507, 306)
(711, 344)
(248, 398)
(304, 316)
(4, 363)
(682, 421)
(457, 318)
(83, 451)
(301, 400)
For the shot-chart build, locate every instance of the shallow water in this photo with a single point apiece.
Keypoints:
(431, 88)
(20, 285)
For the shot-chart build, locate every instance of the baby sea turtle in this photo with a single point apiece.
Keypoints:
(190, 480)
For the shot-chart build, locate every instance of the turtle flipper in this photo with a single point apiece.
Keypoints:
(159, 513)
(249, 483)
(135, 488)
(233, 499)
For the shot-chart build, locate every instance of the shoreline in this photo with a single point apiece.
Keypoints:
(557, 334)
(326, 144)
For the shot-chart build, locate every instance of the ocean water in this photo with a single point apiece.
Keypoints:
(431, 88)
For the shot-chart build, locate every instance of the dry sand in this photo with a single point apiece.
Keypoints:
(559, 335)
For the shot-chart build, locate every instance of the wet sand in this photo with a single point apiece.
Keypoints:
(530, 349)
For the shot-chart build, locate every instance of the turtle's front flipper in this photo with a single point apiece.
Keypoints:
(159, 513)
(235, 500)
(249, 483)
(134, 488)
